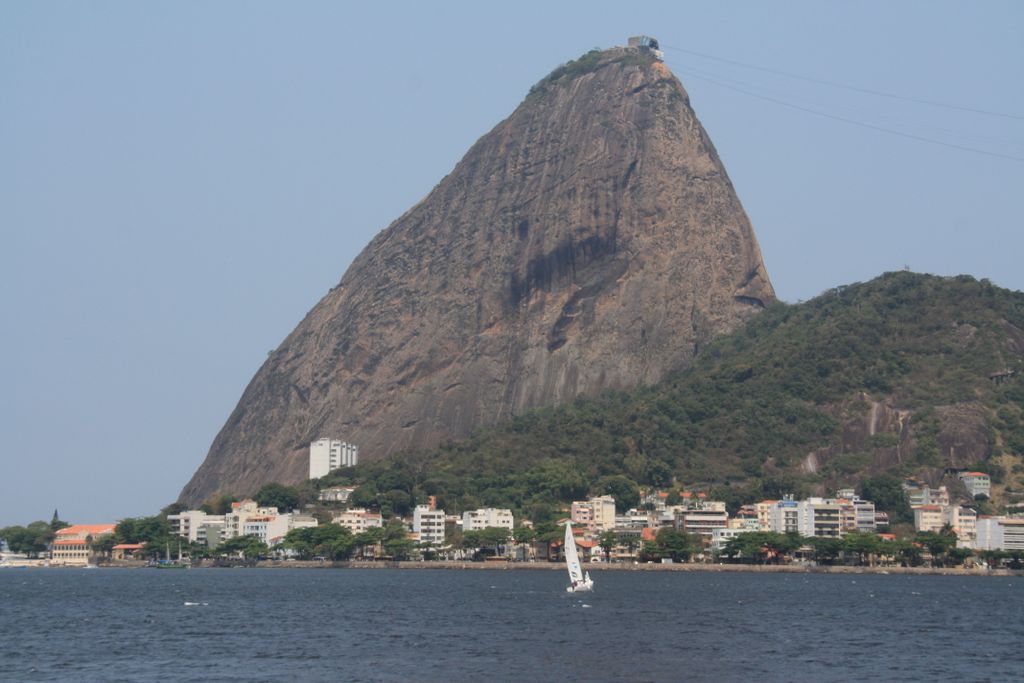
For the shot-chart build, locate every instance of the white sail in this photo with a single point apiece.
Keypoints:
(572, 558)
(577, 581)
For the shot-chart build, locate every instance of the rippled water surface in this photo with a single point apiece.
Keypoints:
(435, 625)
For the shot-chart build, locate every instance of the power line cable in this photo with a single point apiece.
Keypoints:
(759, 89)
(854, 122)
(836, 84)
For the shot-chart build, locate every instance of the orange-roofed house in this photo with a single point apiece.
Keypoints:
(124, 551)
(72, 546)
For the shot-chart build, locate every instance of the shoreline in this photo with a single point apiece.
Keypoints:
(590, 566)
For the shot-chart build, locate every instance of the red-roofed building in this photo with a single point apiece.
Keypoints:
(72, 545)
(124, 551)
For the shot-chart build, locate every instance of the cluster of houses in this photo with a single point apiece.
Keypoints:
(710, 521)
(934, 512)
(689, 512)
(427, 524)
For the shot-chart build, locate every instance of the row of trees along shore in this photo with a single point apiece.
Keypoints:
(335, 542)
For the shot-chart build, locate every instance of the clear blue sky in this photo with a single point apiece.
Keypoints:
(181, 182)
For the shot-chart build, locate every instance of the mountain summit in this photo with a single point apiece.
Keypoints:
(592, 240)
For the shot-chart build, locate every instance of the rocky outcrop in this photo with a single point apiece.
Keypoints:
(592, 240)
(949, 436)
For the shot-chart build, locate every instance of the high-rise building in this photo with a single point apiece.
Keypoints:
(330, 454)
(429, 524)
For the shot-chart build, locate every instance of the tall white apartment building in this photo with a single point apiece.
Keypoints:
(429, 524)
(270, 529)
(330, 454)
(855, 514)
(812, 517)
(821, 517)
(241, 512)
(785, 516)
(604, 513)
(702, 518)
(475, 520)
(192, 524)
(597, 513)
(1000, 533)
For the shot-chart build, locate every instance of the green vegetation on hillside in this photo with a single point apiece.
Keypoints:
(587, 63)
(743, 419)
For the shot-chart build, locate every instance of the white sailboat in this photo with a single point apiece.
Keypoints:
(578, 581)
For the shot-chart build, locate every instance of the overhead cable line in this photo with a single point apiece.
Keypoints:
(853, 110)
(854, 122)
(845, 86)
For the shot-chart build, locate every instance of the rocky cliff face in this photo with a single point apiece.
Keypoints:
(592, 240)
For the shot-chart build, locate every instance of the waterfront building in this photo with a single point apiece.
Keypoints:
(270, 529)
(211, 532)
(428, 523)
(864, 515)
(977, 483)
(785, 516)
(358, 520)
(999, 533)
(855, 514)
(702, 518)
(814, 517)
(190, 524)
(241, 512)
(721, 536)
(72, 545)
(330, 454)
(820, 517)
(475, 520)
(125, 551)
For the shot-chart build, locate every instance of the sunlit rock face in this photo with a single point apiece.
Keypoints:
(591, 240)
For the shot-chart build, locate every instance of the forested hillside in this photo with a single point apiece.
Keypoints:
(894, 375)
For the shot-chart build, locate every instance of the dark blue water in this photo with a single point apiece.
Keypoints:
(432, 625)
